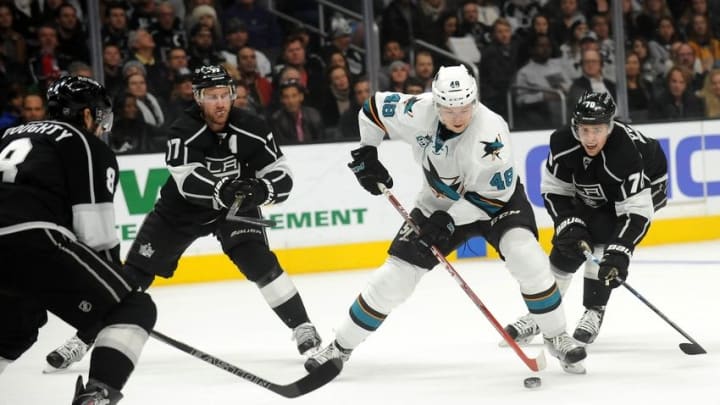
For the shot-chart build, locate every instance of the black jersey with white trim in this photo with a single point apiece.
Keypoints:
(198, 158)
(53, 175)
(618, 178)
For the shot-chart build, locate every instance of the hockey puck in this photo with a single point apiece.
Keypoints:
(532, 382)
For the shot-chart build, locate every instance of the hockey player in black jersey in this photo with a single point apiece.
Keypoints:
(603, 182)
(217, 154)
(58, 248)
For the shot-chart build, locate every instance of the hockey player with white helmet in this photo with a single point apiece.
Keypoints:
(470, 188)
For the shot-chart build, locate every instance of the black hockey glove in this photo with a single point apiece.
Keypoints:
(614, 264)
(368, 169)
(436, 230)
(570, 234)
(249, 192)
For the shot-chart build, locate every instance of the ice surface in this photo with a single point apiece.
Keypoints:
(436, 348)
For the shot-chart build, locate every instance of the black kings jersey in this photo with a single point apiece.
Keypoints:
(198, 158)
(53, 175)
(619, 178)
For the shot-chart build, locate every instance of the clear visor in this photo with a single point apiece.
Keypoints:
(206, 96)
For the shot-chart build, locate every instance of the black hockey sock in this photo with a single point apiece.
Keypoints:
(292, 312)
(111, 367)
(595, 293)
(89, 334)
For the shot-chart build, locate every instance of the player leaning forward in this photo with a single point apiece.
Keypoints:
(217, 155)
(467, 165)
(603, 182)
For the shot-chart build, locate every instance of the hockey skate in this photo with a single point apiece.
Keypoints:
(332, 351)
(589, 325)
(570, 355)
(95, 393)
(523, 331)
(71, 352)
(307, 338)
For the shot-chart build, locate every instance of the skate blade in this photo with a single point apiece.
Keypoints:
(52, 370)
(573, 368)
(521, 342)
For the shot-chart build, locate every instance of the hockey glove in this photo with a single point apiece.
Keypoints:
(436, 230)
(249, 192)
(614, 264)
(368, 169)
(570, 234)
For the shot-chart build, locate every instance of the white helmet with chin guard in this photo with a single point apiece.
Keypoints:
(453, 86)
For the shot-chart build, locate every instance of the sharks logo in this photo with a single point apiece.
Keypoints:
(423, 140)
(493, 148)
(449, 187)
(409, 103)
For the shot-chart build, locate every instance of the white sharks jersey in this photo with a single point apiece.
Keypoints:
(474, 168)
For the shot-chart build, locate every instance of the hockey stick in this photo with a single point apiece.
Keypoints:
(314, 380)
(233, 216)
(534, 364)
(688, 348)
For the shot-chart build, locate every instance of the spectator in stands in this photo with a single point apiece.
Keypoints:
(424, 68)
(203, 50)
(540, 25)
(563, 29)
(640, 47)
(639, 88)
(660, 44)
(391, 52)
(311, 74)
(167, 32)
(295, 122)
(181, 97)
(677, 100)
(176, 63)
(399, 73)
(151, 108)
(115, 29)
(592, 79)
(647, 20)
(11, 113)
(236, 37)
(600, 25)
(12, 44)
(429, 12)
(130, 133)
(33, 108)
(710, 94)
(259, 88)
(398, 23)
(538, 105)
(47, 64)
(413, 85)
(704, 43)
(242, 98)
(262, 26)
(207, 16)
(112, 69)
(336, 58)
(72, 38)
(144, 50)
(571, 50)
(79, 68)
(685, 56)
(337, 98)
(348, 127)
(143, 14)
(340, 37)
(470, 24)
(497, 68)
(446, 26)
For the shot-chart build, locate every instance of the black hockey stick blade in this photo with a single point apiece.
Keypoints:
(692, 348)
(312, 381)
(232, 215)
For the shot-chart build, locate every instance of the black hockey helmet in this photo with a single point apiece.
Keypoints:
(211, 76)
(68, 96)
(594, 108)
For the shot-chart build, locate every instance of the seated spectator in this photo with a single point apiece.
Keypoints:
(705, 45)
(207, 16)
(660, 44)
(639, 46)
(12, 44)
(33, 108)
(399, 73)
(112, 69)
(348, 128)
(340, 37)
(498, 67)
(592, 79)
(181, 97)
(413, 85)
(337, 97)
(259, 87)
(11, 112)
(47, 64)
(72, 38)
(166, 31)
(203, 49)
(295, 123)
(424, 68)
(236, 37)
(262, 26)
(710, 94)
(540, 79)
(677, 100)
(130, 134)
(639, 89)
(242, 99)
(540, 26)
(150, 107)
(685, 56)
(79, 68)
(143, 49)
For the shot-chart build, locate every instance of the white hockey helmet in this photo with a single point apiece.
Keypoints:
(453, 86)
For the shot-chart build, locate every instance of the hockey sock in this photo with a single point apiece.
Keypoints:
(292, 312)
(595, 293)
(111, 367)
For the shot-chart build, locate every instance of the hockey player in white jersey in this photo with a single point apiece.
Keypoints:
(470, 188)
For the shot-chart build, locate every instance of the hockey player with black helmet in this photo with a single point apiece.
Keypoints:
(470, 188)
(58, 247)
(602, 184)
(217, 155)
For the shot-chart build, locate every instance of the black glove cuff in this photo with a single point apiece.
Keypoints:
(615, 248)
(567, 222)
